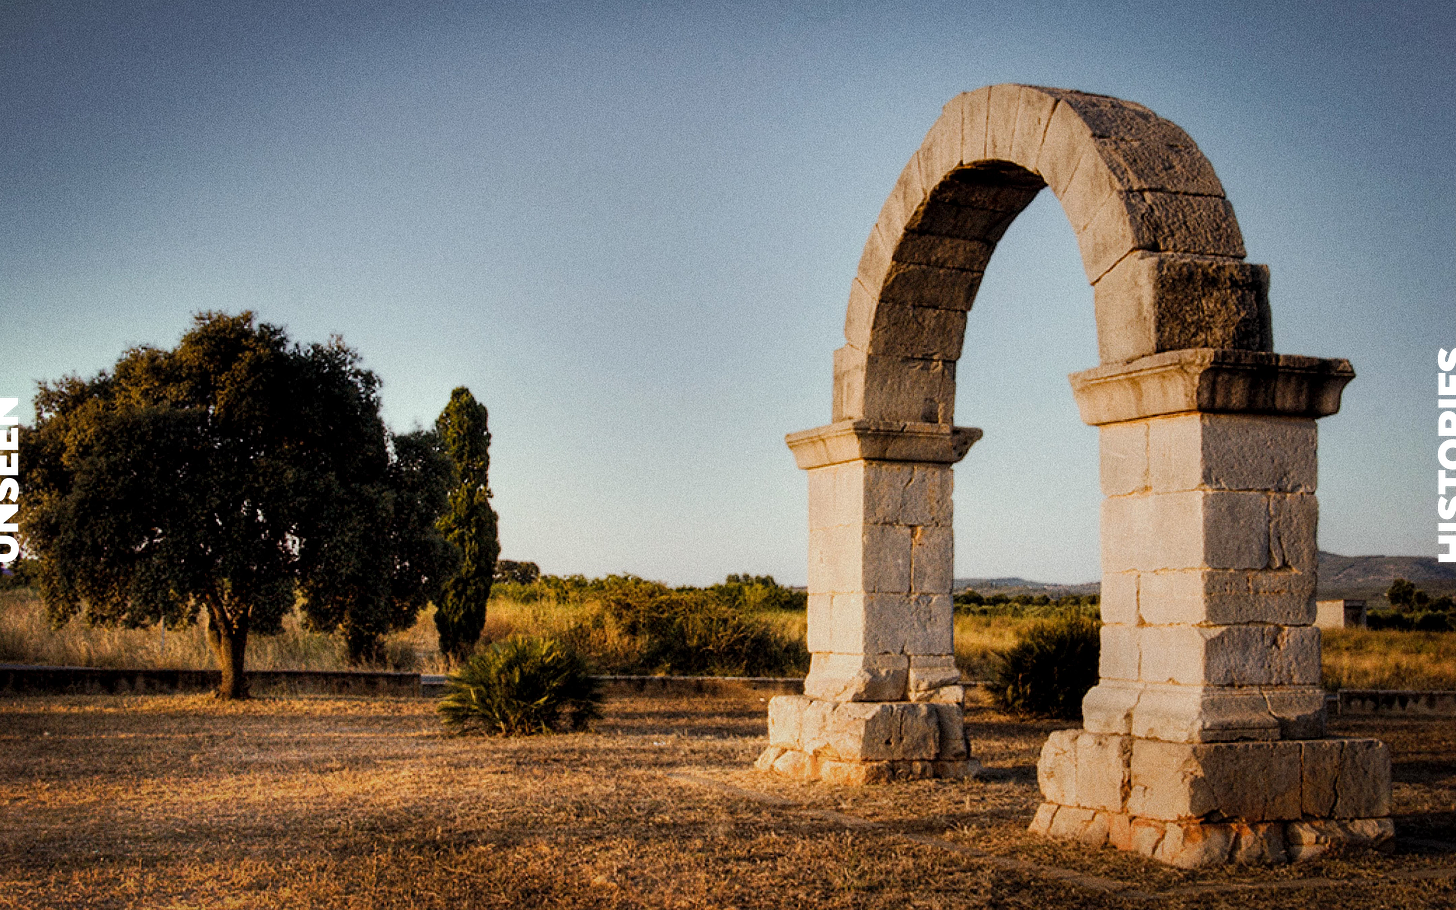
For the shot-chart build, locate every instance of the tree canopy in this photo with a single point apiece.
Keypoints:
(232, 475)
(469, 524)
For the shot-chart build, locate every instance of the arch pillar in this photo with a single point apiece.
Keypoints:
(1203, 741)
(883, 698)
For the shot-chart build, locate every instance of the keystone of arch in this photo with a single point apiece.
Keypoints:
(1159, 242)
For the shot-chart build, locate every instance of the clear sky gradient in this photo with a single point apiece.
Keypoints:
(630, 229)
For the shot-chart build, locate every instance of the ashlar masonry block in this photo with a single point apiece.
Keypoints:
(1200, 451)
(1189, 530)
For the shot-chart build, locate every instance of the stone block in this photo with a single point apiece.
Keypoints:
(1091, 185)
(1123, 458)
(1120, 598)
(973, 125)
(1156, 222)
(942, 252)
(821, 627)
(1108, 706)
(785, 720)
(1245, 655)
(1056, 769)
(1320, 761)
(1041, 823)
(1232, 452)
(886, 560)
(1119, 654)
(874, 265)
(1003, 104)
(1299, 710)
(1188, 530)
(907, 494)
(796, 765)
(906, 328)
(935, 677)
(1253, 782)
(1293, 525)
(953, 744)
(1071, 823)
(832, 500)
(1150, 302)
(1200, 714)
(1142, 164)
(1225, 597)
(1258, 844)
(1032, 117)
(932, 553)
(1312, 838)
(880, 731)
(857, 677)
(1195, 845)
(925, 287)
(767, 757)
(1064, 143)
(891, 387)
(1363, 786)
(940, 151)
(1103, 771)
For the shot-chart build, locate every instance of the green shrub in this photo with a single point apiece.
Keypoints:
(694, 631)
(520, 686)
(1049, 669)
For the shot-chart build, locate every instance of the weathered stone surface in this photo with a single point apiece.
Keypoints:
(1193, 846)
(1243, 655)
(891, 387)
(1191, 530)
(1103, 771)
(857, 677)
(1108, 706)
(1211, 381)
(1151, 302)
(1363, 786)
(1119, 654)
(1193, 714)
(1225, 597)
(1056, 769)
(1123, 457)
(935, 678)
(1232, 452)
(916, 287)
(1120, 594)
(941, 252)
(1255, 782)
(952, 743)
(1312, 838)
(1293, 520)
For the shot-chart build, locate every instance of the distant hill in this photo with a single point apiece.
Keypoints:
(1368, 576)
(1013, 585)
(1339, 576)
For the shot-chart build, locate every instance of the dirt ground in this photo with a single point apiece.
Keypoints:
(172, 802)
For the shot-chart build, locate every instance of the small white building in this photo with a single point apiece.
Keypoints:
(1340, 614)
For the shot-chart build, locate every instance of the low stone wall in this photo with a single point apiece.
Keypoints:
(27, 680)
(1397, 701)
(434, 685)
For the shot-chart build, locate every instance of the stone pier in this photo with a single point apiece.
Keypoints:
(883, 696)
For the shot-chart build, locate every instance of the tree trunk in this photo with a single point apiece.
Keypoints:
(229, 640)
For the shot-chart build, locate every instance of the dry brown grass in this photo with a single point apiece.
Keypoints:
(1353, 658)
(184, 802)
(1362, 659)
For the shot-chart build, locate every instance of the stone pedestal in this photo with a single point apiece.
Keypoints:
(1202, 742)
(883, 696)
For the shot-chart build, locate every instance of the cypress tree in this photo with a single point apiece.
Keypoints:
(469, 523)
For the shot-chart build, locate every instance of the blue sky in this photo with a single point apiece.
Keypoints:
(630, 229)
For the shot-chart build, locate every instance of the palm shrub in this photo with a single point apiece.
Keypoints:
(520, 686)
(1050, 668)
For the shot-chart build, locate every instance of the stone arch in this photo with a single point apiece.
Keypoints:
(1158, 239)
(1205, 733)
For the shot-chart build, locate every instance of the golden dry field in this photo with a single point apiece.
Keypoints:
(181, 801)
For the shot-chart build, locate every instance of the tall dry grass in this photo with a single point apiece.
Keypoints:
(1353, 658)
(27, 637)
(1362, 659)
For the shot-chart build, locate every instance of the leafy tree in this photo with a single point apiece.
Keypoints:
(226, 476)
(469, 524)
(519, 573)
